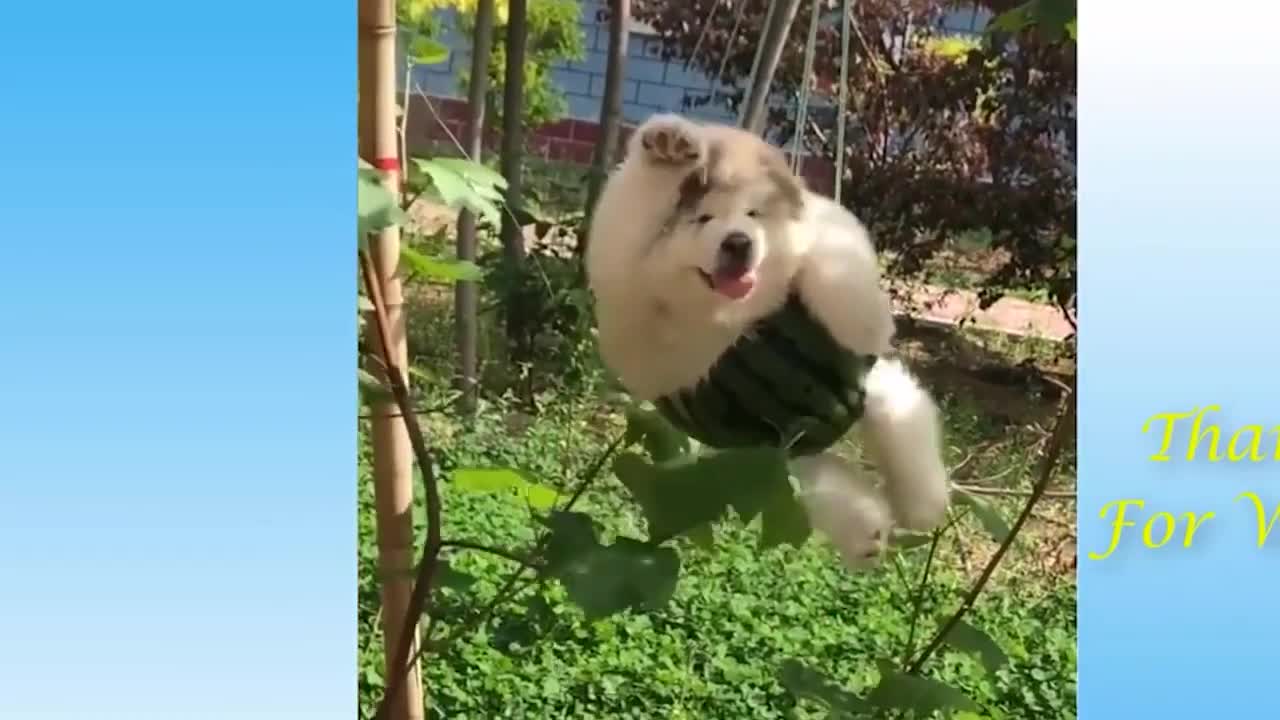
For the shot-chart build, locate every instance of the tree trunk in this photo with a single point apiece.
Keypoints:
(782, 14)
(606, 150)
(392, 453)
(465, 293)
(512, 160)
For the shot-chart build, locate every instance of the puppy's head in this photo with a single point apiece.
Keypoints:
(731, 215)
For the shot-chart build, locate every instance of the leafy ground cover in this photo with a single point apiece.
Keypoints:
(745, 630)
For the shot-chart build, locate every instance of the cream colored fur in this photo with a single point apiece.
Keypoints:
(845, 506)
(661, 327)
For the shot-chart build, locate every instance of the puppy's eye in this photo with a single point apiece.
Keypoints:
(703, 219)
(753, 213)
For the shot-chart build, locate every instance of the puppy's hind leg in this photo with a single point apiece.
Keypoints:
(845, 506)
(902, 435)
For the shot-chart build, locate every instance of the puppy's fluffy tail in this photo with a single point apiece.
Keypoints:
(844, 505)
(901, 434)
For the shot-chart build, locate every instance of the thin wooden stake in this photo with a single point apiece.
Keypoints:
(517, 313)
(606, 149)
(392, 454)
(465, 294)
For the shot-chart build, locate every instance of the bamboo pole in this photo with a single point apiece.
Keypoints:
(392, 453)
(465, 303)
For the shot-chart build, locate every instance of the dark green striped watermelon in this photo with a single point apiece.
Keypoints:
(785, 383)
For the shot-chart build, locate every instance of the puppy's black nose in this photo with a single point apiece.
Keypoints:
(736, 247)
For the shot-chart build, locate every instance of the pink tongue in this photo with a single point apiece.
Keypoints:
(735, 287)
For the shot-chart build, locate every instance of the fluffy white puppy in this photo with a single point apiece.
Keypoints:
(702, 231)
(845, 506)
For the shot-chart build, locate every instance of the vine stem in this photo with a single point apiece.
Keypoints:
(918, 601)
(1062, 429)
(394, 375)
(488, 550)
(511, 587)
(1012, 492)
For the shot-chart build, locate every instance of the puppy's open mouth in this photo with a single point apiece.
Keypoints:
(734, 286)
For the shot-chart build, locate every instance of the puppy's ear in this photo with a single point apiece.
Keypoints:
(789, 186)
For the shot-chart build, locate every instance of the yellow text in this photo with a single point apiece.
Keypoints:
(1157, 531)
(1264, 526)
(1243, 444)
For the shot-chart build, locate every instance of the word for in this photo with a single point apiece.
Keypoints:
(1245, 442)
(1161, 527)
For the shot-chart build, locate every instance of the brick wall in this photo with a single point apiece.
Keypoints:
(651, 85)
(568, 141)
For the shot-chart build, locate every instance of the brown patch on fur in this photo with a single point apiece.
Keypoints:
(736, 159)
(693, 188)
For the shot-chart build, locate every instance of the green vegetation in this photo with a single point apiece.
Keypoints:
(673, 584)
(715, 651)
(554, 35)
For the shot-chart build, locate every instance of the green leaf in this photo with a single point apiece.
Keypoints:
(448, 577)
(954, 48)
(703, 536)
(488, 480)
(540, 497)
(805, 683)
(992, 521)
(372, 389)
(627, 574)
(1052, 17)
(905, 540)
(679, 495)
(426, 51)
(967, 638)
(438, 268)
(483, 178)
(505, 480)
(462, 183)
(920, 695)
(570, 534)
(376, 206)
(363, 304)
(427, 377)
(660, 438)
(604, 580)
(784, 520)
(1012, 20)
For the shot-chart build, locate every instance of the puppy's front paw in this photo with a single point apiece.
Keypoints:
(671, 140)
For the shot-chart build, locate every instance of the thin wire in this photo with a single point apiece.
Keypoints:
(755, 64)
(702, 35)
(718, 81)
(802, 110)
(844, 94)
